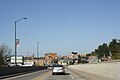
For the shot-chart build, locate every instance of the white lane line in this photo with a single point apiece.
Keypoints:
(72, 77)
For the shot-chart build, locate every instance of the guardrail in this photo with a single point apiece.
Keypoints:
(10, 71)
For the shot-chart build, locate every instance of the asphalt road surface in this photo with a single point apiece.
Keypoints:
(47, 75)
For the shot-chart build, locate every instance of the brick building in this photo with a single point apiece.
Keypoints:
(50, 58)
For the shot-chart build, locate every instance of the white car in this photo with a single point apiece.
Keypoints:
(58, 69)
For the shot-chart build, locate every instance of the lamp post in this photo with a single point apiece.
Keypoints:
(38, 48)
(15, 41)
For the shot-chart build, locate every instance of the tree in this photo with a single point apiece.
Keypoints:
(1, 58)
(114, 48)
(5, 52)
(101, 51)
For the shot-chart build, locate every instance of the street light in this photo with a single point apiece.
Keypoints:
(15, 40)
(38, 48)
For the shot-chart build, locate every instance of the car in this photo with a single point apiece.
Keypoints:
(58, 69)
(50, 67)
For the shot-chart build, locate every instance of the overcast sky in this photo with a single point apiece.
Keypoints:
(62, 26)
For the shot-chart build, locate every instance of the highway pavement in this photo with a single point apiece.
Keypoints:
(47, 75)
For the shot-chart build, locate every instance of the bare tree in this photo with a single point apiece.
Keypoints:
(5, 53)
(1, 58)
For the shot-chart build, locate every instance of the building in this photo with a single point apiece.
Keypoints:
(51, 58)
(73, 55)
(34, 60)
(39, 61)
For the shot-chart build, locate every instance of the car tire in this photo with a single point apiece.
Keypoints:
(52, 73)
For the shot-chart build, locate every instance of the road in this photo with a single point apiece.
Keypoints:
(47, 75)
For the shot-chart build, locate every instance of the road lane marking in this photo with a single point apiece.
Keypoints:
(72, 77)
(75, 76)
